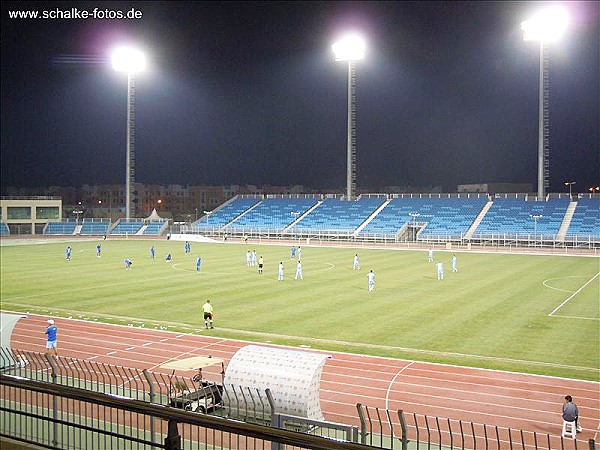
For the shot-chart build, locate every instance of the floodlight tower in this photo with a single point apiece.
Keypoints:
(350, 48)
(131, 61)
(547, 26)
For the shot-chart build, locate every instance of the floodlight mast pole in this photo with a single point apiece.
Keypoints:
(350, 48)
(129, 60)
(543, 125)
(546, 26)
(130, 150)
(351, 143)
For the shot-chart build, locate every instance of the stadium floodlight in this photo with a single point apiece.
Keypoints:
(131, 61)
(350, 48)
(546, 26)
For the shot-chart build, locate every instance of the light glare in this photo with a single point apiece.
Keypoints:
(548, 25)
(349, 48)
(130, 60)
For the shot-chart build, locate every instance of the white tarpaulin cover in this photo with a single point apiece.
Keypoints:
(7, 324)
(293, 377)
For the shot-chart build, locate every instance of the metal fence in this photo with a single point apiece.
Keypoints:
(31, 411)
(406, 431)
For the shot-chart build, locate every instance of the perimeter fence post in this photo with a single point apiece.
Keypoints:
(592, 443)
(363, 424)
(151, 395)
(276, 422)
(173, 439)
(404, 429)
(54, 401)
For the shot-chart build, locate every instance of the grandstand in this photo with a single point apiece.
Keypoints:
(514, 219)
(274, 214)
(63, 227)
(94, 227)
(585, 222)
(227, 212)
(505, 219)
(519, 216)
(431, 215)
(334, 215)
(156, 227)
(127, 227)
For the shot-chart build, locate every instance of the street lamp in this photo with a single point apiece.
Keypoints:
(78, 211)
(570, 184)
(535, 218)
(350, 48)
(131, 61)
(414, 216)
(208, 213)
(546, 26)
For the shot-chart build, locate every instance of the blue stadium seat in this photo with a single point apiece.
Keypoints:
(154, 228)
(67, 227)
(334, 215)
(445, 217)
(129, 227)
(513, 216)
(226, 214)
(4, 230)
(273, 214)
(90, 227)
(585, 222)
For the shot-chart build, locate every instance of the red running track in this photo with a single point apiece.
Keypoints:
(505, 399)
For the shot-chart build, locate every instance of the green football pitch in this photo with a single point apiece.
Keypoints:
(524, 313)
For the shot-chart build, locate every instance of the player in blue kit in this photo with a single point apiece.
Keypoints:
(51, 343)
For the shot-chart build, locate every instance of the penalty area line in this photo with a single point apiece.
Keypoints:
(573, 295)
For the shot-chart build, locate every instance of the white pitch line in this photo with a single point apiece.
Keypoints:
(596, 319)
(545, 283)
(574, 294)
(129, 348)
(387, 393)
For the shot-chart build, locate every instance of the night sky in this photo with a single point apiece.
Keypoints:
(249, 93)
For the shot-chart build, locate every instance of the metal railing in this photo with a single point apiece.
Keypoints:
(45, 401)
(80, 419)
(400, 430)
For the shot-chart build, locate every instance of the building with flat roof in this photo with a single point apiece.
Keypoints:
(29, 215)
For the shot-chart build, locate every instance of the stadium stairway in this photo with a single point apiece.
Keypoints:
(478, 219)
(141, 230)
(241, 215)
(371, 217)
(298, 219)
(564, 226)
